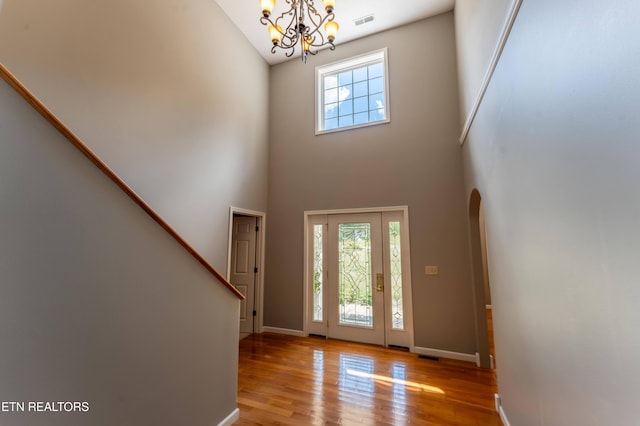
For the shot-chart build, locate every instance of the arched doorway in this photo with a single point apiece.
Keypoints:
(481, 286)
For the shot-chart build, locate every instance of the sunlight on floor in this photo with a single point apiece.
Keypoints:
(384, 379)
(357, 374)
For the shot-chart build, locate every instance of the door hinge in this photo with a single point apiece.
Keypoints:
(255, 270)
(257, 228)
(255, 313)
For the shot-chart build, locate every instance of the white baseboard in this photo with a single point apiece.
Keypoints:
(500, 410)
(231, 418)
(286, 331)
(445, 354)
(503, 417)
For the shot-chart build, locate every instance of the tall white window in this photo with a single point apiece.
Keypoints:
(352, 93)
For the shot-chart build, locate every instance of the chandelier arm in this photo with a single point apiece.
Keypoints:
(291, 19)
(289, 36)
(265, 21)
(330, 17)
(316, 18)
(321, 42)
(290, 39)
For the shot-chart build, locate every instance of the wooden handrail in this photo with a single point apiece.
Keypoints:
(84, 149)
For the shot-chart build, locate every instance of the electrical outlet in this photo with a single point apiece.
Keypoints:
(431, 270)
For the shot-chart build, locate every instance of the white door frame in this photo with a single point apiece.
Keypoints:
(260, 244)
(405, 249)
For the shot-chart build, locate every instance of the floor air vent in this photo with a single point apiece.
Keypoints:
(430, 358)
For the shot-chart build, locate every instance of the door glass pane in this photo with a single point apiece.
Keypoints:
(354, 274)
(395, 256)
(317, 272)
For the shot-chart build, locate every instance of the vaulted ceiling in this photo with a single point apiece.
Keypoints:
(386, 14)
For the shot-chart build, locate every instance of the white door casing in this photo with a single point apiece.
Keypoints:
(321, 266)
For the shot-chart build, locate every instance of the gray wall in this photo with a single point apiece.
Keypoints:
(97, 302)
(168, 93)
(412, 161)
(554, 152)
(478, 26)
(485, 259)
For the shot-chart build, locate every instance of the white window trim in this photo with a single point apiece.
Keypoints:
(345, 64)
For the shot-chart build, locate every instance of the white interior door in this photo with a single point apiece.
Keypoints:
(356, 278)
(243, 264)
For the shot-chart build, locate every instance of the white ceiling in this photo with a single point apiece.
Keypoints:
(387, 14)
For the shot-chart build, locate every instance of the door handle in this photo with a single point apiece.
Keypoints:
(380, 282)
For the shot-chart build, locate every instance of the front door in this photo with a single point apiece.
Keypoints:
(358, 281)
(356, 288)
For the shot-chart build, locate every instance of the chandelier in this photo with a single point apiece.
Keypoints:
(303, 26)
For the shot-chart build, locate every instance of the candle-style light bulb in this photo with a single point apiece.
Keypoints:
(267, 7)
(331, 28)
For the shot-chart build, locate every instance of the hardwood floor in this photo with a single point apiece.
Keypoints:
(285, 380)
